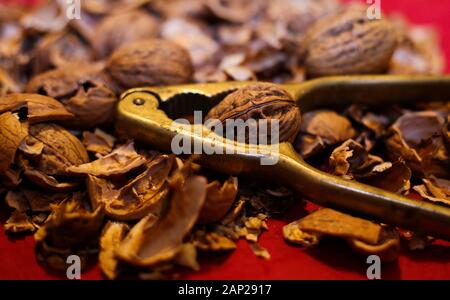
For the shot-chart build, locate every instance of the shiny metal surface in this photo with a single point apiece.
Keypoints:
(149, 122)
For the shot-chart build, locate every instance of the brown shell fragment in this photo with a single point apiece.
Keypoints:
(58, 49)
(7, 84)
(19, 222)
(98, 142)
(194, 37)
(237, 11)
(260, 251)
(333, 223)
(263, 101)
(112, 236)
(212, 241)
(146, 194)
(48, 182)
(61, 149)
(418, 51)
(219, 200)
(394, 177)
(99, 189)
(417, 138)
(120, 29)
(377, 123)
(352, 161)
(122, 160)
(388, 248)
(187, 257)
(100, 7)
(84, 89)
(150, 242)
(69, 229)
(293, 234)
(150, 62)
(320, 129)
(348, 42)
(349, 158)
(39, 108)
(12, 132)
(17, 200)
(27, 200)
(91, 107)
(435, 189)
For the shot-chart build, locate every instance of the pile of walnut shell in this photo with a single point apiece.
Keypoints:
(66, 177)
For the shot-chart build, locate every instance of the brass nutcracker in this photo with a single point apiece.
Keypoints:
(147, 114)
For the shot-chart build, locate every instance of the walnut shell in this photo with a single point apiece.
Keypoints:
(84, 90)
(150, 62)
(418, 139)
(12, 133)
(261, 101)
(61, 149)
(347, 42)
(117, 30)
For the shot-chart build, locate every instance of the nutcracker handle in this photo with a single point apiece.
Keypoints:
(140, 117)
(374, 90)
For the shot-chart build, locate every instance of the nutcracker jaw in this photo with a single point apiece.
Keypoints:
(146, 114)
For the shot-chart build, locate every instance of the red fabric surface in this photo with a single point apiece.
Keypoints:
(330, 260)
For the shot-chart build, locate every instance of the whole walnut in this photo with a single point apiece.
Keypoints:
(117, 30)
(84, 90)
(261, 101)
(150, 62)
(348, 42)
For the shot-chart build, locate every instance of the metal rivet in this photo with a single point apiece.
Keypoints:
(138, 101)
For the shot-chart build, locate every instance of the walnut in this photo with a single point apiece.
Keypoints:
(262, 101)
(347, 42)
(150, 62)
(61, 149)
(39, 108)
(83, 89)
(117, 30)
(12, 132)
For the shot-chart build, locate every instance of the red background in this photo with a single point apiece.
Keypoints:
(330, 260)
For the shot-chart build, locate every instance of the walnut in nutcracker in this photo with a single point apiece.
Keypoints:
(262, 101)
(346, 43)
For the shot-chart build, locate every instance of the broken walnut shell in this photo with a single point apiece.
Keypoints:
(61, 149)
(154, 241)
(417, 137)
(12, 132)
(39, 108)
